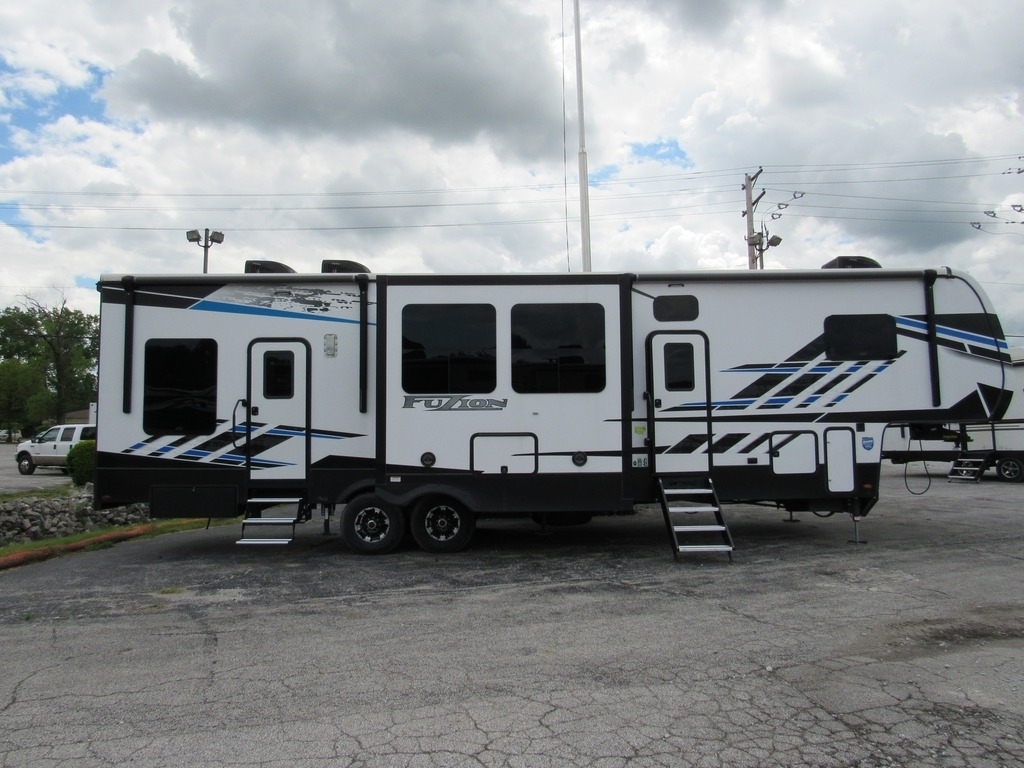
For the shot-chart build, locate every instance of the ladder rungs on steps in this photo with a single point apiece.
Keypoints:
(264, 541)
(969, 466)
(679, 498)
(256, 504)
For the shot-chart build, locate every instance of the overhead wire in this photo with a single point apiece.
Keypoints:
(611, 194)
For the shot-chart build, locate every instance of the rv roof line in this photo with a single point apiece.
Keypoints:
(760, 275)
(680, 277)
(251, 277)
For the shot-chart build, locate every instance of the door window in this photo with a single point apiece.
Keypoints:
(679, 369)
(279, 374)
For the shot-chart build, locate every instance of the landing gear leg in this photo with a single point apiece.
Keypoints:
(856, 516)
(327, 511)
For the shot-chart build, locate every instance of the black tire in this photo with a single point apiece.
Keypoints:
(371, 526)
(1010, 469)
(441, 525)
(25, 464)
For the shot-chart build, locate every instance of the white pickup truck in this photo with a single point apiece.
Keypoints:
(50, 448)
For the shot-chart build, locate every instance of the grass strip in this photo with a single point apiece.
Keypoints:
(22, 553)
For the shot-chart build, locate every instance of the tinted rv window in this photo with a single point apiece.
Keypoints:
(860, 337)
(668, 309)
(558, 348)
(278, 374)
(180, 394)
(448, 349)
(679, 376)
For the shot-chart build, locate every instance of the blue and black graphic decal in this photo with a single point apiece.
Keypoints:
(230, 447)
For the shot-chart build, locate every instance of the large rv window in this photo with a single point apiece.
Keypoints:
(860, 337)
(669, 309)
(679, 376)
(278, 374)
(180, 394)
(449, 349)
(558, 348)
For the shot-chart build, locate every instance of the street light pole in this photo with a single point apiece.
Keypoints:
(204, 241)
(584, 176)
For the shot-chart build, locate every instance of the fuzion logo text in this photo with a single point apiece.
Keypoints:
(455, 403)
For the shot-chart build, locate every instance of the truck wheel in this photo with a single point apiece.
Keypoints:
(25, 464)
(1011, 469)
(441, 526)
(371, 526)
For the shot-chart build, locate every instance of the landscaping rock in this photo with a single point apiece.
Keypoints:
(28, 519)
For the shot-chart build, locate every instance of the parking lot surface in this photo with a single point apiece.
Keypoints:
(581, 646)
(12, 480)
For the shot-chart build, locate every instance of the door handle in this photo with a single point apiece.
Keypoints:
(234, 420)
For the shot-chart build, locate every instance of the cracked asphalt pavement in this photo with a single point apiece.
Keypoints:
(582, 646)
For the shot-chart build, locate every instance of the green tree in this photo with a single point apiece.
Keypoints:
(60, 342)
(19, 383)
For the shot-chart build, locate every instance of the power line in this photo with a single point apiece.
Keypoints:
(669, 186)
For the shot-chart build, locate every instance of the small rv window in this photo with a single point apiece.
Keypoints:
(449, 349)
(180, 387)
(558, 348)
(670, 309)
(860, 337)
(679, 375)
(278, 374)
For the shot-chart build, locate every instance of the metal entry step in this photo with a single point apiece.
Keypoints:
(969, 466)
(255, 521)
(681, 498)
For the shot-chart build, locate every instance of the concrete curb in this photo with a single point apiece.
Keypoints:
(26, 556)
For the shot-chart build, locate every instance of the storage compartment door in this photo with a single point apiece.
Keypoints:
(794, 453)
(840, 458)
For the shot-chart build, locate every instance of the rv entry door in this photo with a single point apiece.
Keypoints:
(678, 397)
(277, 433)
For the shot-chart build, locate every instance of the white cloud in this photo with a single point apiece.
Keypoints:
(413, 136)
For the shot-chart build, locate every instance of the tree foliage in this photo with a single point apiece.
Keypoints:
(50, 356)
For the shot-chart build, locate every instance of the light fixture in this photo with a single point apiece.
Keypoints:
(204, 241)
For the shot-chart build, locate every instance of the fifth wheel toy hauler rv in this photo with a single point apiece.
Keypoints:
(969, 449)
(425, 402)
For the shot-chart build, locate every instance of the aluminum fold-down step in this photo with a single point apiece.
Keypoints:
(682, 497)
(252, 522)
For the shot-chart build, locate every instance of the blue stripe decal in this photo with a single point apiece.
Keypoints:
(944, 330)
(241, 309)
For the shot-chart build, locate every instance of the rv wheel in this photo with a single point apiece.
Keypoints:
(1011, 469)
(371, 526)
(441, 526)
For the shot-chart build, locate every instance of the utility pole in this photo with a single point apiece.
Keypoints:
(753, 241)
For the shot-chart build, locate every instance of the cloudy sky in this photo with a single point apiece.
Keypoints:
(442, 136)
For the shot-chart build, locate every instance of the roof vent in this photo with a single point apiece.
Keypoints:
(341, 266)
(261, 266)
(852, 262)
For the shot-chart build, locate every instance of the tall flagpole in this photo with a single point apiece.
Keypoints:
(584, 180)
